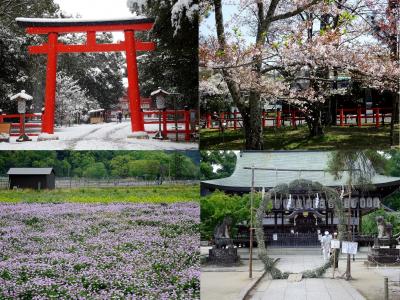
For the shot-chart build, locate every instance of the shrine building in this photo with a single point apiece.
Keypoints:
(300, 213)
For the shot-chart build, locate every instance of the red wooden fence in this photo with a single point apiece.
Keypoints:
(344, 117)
(18, 125)
(167, 117)
(378, 116)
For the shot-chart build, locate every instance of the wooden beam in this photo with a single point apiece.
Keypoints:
(86, 28)
(62, 48)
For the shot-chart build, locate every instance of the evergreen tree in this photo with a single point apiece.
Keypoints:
(222, 161)
(173, 65)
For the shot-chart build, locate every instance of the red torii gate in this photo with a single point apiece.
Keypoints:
(54, 27)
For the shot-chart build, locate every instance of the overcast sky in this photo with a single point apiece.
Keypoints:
(94, 9)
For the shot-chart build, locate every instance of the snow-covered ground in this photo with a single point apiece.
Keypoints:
(106, 136)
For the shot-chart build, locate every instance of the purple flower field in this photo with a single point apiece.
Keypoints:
(96, 251)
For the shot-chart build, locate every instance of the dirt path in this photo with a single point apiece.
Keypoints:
(369, 281)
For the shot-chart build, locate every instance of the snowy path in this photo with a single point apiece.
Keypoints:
(106, 136)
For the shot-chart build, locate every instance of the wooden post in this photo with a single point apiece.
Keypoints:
(22, 124)
(377, 117)
(187, 124)
(235, 119)
(334, 262)
(359, 116)
(386, 287)
(164, 122)
(294, 125)
(50, 93)
(251, 224)
(222, 117)
(341, 117)
(209, 121)
(278, 119)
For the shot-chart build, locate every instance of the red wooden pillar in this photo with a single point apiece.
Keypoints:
(137, 122)
(21, 125)
(222, 117)
(208, 120)
(341, 117)
(293, 119)
(278, 119)
(187, 124)
(234, 119)
(164, 123)
(377, 117)
(50, 94)
(359, 116)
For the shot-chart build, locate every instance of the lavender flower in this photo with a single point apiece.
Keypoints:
(96, 251)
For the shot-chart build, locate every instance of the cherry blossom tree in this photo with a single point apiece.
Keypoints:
(300, 48)
(386, 21)
(71, 99)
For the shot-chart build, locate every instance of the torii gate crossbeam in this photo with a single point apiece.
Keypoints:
(54, 27)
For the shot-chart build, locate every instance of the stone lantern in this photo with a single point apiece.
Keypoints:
(22, 98)
(160, 96)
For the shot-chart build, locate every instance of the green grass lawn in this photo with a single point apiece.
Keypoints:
(288, 139)
(153, 194)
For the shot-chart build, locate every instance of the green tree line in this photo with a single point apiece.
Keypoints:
(148, 165)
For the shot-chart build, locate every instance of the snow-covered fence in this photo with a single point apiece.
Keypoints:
(32, 125)
(182, 118)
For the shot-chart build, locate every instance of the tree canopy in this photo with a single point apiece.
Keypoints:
(217, 164)
(148, 165)
(295, 52)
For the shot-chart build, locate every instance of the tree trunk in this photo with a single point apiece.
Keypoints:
(314, 124)
(254, 130)
(253, 136)
(395, 107)
(395, 54)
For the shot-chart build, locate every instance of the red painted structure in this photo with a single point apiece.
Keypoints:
(53, 27)
(19, 125)
(168, 117)
(376, 117)
(182, 117)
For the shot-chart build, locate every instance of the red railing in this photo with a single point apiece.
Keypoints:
(18, 125)
(377, 117)
(345, 117)
(168, 117)
(234, 119)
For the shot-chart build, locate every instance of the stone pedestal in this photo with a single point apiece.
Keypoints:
(47, 137)
(223, 256)
(384, 255)
(139, 135)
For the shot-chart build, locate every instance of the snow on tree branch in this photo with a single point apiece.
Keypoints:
(180, 10)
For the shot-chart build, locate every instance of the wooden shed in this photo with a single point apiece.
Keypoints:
(32, 178)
